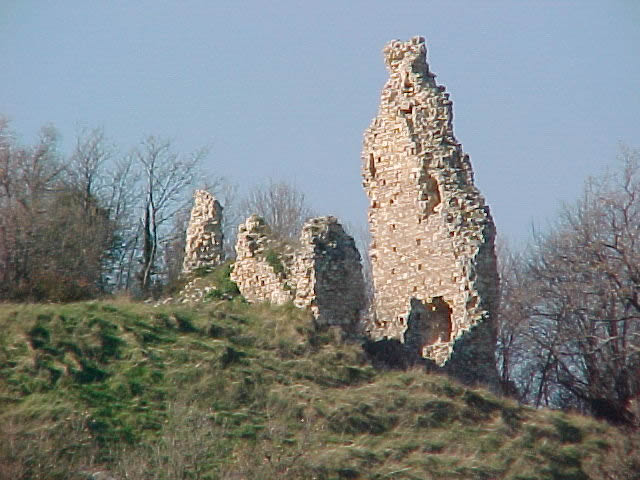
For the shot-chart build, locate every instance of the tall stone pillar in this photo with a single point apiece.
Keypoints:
(432, 251)
(204, 246)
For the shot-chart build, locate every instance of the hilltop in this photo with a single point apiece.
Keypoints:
(228, 390)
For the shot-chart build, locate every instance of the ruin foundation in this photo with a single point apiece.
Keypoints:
(322, 273)
(432, 251)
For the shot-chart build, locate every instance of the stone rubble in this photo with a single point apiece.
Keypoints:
(194, 291)
(432, 250)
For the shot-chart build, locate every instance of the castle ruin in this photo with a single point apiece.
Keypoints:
(261, 265)
(323, 273)
(203, 247)
(432, 250)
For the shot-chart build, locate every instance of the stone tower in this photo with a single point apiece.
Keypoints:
(203, 246)
(432, 251)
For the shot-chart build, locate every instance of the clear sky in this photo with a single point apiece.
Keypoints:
(544, 91)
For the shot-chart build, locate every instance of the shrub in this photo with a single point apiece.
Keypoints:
(273, 259)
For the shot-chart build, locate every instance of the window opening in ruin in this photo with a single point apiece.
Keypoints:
(419, 266)
(418, 241)
(439, 317)
(394, 249)
(428, 324)
(372, 166)
(391, 202)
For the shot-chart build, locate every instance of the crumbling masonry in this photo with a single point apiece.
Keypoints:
(432, 250)
(323, 273)
(203, 246)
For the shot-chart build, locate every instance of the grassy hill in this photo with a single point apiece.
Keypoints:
(226, 390)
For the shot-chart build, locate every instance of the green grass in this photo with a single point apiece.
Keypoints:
(207, 284)
(227, 390)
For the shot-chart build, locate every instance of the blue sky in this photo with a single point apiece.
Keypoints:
(544, 91)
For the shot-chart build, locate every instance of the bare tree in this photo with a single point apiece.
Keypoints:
(29, 176)
(282, 206)
(122, 198)
(513, 347)
(579, 298)
(85, 168)
(94, 221)
(227, 195)
(168, 180)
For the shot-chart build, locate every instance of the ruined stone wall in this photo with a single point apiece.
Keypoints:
(261, 265)
(432, 245)
(204, 246)
(323, 273)
(328, 273)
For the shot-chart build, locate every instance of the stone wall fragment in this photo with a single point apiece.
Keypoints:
(323, 273)
(432, 250)
(262, 265)
(204, 242)
(328, 273)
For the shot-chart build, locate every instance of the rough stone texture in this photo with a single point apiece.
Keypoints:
(328, 274)
(204, 246)
(261, 265)
(432, 250)
(323, 274)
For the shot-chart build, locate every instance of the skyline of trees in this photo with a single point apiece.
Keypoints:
(95, 222)
(569, 329)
